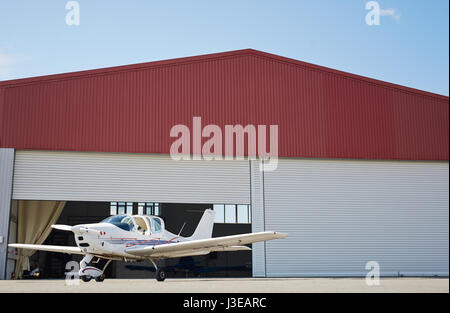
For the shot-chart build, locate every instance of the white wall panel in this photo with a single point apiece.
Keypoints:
(87, 176)
(340, 214)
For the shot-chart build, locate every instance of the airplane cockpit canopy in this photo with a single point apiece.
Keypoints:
(139, 223)
(122, 221)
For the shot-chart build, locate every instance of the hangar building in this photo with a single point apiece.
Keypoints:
(362, 176)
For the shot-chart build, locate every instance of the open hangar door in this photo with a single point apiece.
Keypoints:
(341, 214)
(91, 184)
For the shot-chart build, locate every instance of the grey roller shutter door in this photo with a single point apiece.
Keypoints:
(86, 176)
(340, 214)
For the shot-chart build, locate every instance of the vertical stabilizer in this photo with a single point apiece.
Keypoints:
(205, 226)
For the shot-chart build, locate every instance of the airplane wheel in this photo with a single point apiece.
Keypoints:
(100, 278)
(160, 274)
(86, 278)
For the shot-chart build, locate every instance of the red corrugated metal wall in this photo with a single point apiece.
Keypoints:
(321, 113)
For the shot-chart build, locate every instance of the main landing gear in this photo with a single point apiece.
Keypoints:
(87, 272)
(160, 272)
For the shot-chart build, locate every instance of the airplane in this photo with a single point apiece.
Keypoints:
(130, 238)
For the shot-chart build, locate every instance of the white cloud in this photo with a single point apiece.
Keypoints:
(390, 12)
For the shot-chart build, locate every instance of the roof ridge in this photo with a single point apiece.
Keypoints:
(123, 68)
(348, 75)
(212, 56)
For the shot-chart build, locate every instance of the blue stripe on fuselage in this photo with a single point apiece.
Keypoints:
(143, 242)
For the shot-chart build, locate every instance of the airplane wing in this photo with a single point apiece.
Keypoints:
(203, 246)
(61, 249)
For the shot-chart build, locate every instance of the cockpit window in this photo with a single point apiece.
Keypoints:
(156, 225)
(141, 225)
(124, 222)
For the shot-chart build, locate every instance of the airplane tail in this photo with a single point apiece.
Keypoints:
(205, 226)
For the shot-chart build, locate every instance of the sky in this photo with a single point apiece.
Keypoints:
(410, 46)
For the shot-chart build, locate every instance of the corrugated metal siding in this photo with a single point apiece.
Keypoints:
(257, 202)
(6, 176)
(83, 176)
(321, 113)
(341, 214)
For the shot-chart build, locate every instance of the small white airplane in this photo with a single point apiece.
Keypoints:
(143, 237)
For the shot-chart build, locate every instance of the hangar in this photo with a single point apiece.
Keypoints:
(362, 173)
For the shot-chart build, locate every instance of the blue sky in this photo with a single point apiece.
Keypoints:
(410, 46)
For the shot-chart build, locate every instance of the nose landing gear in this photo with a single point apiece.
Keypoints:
(88, 272)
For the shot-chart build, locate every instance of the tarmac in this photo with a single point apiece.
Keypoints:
(230, 285)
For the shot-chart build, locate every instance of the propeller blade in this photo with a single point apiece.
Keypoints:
(62, 227)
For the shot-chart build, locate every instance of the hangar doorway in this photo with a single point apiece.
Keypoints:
(88, 181)
(230, 219)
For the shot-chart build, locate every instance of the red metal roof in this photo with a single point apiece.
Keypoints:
(321, 113)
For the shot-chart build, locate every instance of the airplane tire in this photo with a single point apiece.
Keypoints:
(160, 274)
(100, 278)
(86, 278)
